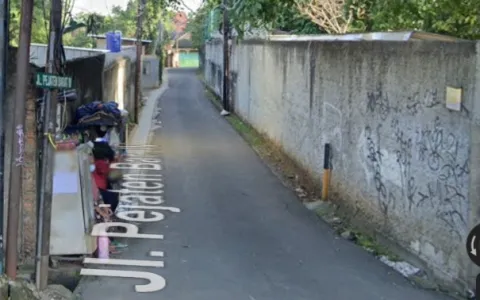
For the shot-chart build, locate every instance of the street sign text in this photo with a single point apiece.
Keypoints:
(50, 81)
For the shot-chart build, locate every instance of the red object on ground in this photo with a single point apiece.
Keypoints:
(65, 145)
(96, 193)
(102, 169)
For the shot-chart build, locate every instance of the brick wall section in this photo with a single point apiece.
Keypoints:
(29, 211)
(27, 231)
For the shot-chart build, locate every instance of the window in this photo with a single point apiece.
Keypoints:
(146, 68)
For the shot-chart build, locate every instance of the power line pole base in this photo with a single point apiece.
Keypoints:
(41, 275)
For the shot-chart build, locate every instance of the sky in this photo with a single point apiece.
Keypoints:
(104, 6)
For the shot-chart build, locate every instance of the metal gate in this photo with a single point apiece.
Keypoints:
(189, 60)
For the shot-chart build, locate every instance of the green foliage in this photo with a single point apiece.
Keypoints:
(290, 20)
(79, 38)
(460, 18)
(39, 24)
(269, 14)
(124, 20)
(245, 14)
(198, 25)
(41, 20)
(452, 17)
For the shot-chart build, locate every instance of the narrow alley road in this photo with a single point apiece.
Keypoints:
(240, 235)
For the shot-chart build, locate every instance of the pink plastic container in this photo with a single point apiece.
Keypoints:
(103, 244)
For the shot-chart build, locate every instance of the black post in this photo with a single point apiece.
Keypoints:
(477, 284)
(138, 62)
(326, 172)
(326, 157)
(226, 60)
(4, 17)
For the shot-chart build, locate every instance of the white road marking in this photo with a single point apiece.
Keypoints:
(157, 253)
(144, 185)
(157, 282)
(147, 146)
(124, 262)
(127, 191)
(139, 166)
(142, 177)
(140, 216)
(143, 160)
(144, 199)
(100, 229)
(168, 208)
(138, 188)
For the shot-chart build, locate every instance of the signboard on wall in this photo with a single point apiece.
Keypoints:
(51, 81)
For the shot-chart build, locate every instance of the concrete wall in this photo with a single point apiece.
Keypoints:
(128, 51)
(401, 159)
(119, 83)
(150, 72)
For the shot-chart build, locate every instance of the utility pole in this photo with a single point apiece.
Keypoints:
(48, 152)
(159, 38)
(159, 43)
(138, 62)
(18, 138)
(4, 36)
(226, 60)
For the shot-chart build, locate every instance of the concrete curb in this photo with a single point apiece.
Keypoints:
(140, 134)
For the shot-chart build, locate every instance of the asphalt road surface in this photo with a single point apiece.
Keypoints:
(241, 234)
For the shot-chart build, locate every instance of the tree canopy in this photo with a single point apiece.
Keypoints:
(125, 20)
(451, 17)
(459, 18)
(247, 14)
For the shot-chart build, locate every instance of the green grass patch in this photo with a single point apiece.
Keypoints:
(370, 244)
(245, 130)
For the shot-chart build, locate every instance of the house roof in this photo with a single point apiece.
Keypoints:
(102, 37)
(180, 35)
(184, 39)
(185, 44)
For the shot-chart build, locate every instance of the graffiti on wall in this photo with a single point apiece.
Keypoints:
(444, 155)
(374, 156)
(431, 161)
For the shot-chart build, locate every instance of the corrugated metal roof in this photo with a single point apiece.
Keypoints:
(372, 36)
(38, 53)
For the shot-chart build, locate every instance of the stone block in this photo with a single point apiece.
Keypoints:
(21, 290)
(57, 292)
(3, 288)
